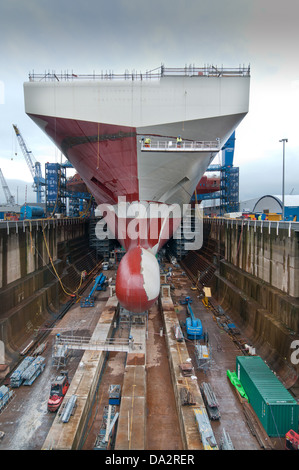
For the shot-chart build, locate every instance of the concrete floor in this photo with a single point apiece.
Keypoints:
(26, 421)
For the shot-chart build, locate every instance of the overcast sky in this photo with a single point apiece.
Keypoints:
(95, 35)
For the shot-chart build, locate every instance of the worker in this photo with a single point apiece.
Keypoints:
(179, 141)
(131, 342)
(147, 142)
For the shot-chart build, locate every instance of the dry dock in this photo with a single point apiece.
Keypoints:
(161, 405)
(151, 413)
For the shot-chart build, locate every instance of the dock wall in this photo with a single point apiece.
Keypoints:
(30, 292)
(257, 283)
(267, 250)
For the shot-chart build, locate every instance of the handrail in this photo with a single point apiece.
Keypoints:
(257, 224)
(188, 71)
(81, 342)
(170, 145)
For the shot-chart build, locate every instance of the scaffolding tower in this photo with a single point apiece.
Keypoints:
(100, 238)
(55, 189)
(228, 195)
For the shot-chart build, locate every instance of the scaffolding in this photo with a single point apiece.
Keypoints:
(127, 319)
(102, 245)
(204, 428)
(55, 181)
(189, 233)
(229, 193)
(203, 356)
(60, 354)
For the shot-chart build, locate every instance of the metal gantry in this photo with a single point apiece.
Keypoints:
(85, 343)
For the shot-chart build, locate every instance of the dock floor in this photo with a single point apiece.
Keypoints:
(151, 417)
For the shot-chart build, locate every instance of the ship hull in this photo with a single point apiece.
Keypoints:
(100, 127)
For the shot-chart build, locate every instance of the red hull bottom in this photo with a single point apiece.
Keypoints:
(138, 274)
(138, 280)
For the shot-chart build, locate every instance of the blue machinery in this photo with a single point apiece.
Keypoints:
(186, 301)
(193, 325)
(99, 284)
(57, 193)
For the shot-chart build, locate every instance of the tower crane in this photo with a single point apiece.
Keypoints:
(9, 198)
(34, 167)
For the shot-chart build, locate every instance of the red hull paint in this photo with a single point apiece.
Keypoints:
(208, 185)
(131, 283)
(104, 155)
(148, 233)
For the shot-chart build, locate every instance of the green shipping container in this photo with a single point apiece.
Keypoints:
(275, 407)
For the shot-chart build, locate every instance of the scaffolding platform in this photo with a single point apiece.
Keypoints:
(60, 354)
(169, 145)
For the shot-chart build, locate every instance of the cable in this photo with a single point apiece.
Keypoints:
(56, 273)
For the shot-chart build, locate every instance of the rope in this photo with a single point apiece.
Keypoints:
(56, 273)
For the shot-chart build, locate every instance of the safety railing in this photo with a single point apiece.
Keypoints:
(85, 343)
(258, 225)
(169, 145)
(188, 71)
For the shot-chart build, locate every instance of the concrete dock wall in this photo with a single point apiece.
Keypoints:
(267, 250)
(30, 293)
(23, 249)
(257, 283)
